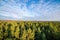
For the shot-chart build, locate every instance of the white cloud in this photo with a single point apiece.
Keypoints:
(47, 12)
(15, 11)
(37, 11)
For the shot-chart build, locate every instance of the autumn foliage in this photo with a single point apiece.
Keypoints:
(29, 30)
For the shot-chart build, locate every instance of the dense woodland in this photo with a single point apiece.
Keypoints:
(29, 30)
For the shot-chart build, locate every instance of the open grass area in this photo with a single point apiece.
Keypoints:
(29, 30)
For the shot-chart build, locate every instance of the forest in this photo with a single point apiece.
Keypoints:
(29, 30)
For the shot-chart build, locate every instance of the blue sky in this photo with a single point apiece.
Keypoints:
(41, 10)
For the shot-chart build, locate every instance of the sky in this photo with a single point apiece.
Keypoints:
(36, 10)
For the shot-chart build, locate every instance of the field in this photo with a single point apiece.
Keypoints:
(29, 30)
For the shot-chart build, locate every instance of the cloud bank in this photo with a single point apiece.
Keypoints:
(41, 10)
